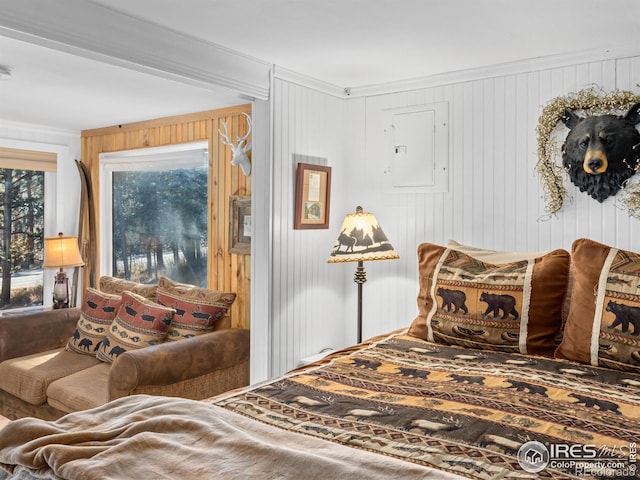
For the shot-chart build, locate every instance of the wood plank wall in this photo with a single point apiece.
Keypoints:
(227, 272)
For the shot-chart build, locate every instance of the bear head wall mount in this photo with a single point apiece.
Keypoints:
(601, 152)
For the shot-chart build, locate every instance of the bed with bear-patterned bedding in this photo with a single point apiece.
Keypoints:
(453, 408)
(472, 389)
(431, 407)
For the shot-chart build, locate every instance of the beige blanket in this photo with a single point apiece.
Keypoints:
(144, 437)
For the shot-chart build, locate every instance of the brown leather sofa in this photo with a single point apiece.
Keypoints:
(39, 377)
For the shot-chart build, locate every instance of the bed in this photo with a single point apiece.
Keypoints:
(471, 389)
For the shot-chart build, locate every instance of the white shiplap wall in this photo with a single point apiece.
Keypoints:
(307, 292)
(494, 199)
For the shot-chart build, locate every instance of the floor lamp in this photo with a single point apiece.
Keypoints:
(361, 239)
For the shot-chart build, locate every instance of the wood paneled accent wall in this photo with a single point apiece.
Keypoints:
(227, 272)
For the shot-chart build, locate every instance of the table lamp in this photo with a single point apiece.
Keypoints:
(61, 252)
(361, 238)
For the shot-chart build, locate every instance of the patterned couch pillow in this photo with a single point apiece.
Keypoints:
(603, 327)
(197, 309)
(117, 286)
(139, 323)
(512, 307)
(97, 311)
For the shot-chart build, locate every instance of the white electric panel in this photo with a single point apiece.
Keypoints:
(413, 149)
(419, 148)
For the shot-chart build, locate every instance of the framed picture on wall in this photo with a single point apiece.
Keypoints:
(313, 196)
(240, 224)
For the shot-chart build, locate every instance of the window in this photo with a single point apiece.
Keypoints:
(154, 203)
(24, 177)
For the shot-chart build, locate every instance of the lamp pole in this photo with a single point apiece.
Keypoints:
(360, 277)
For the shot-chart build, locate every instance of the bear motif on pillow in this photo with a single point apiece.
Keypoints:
(512, 306)
(97, 312)
(138, 323)
(603, 326)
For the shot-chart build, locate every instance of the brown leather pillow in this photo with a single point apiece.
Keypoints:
(515, 306)
(603, 326)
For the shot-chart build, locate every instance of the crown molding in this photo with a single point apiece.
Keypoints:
(99, 33)
(460, 76)
(498, 70)
(35, 128)
(310, 82)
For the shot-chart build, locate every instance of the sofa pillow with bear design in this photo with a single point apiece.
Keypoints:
(138, 323)
(97, 311)
(197, 309)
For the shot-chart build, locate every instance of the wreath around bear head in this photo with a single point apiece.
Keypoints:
(551, 173)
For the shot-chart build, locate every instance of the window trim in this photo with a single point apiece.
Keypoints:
(140, 159)
(20, 159)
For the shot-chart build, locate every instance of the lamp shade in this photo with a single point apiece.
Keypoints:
(62, 252)
(361, 238)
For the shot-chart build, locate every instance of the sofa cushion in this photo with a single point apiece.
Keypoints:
(603, 326)
(138, 324)
(82, 390)
(97, 311)
(513, 307)
(117, 286)
(29, 377)
(197, 309)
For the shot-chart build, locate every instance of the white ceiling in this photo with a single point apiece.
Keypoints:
(346, 43)
(53, 88)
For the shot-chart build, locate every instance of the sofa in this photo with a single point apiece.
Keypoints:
(41, 376)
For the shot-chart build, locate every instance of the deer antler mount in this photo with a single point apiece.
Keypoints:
(240, 148)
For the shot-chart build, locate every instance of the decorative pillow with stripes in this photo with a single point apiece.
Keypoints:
(97, 311)
(197, 309)
(603, 327)
(139, 323)
(516, 306)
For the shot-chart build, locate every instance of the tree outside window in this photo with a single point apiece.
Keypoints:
(22, 237)
(154, 213)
